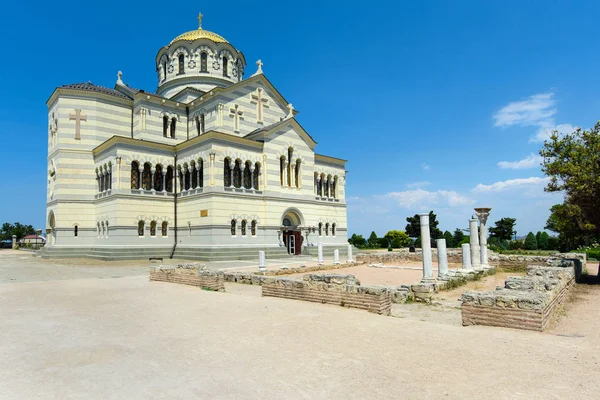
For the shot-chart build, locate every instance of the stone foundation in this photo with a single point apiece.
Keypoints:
(524, 302)
(518, 262)
(190, 274)
(400, 256)
(342, 290)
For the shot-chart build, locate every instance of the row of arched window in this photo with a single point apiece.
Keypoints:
(104, 177)
(326, 227)
(102, 229)
(203, 65)
(164, 228)
(243, 227)
(290, 172)
(191, 176)
(239, 176)
(147, 178)
(169, 126)
(326, 185)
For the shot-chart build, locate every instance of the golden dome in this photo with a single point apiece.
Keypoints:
(200, 34)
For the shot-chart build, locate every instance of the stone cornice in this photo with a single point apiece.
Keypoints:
(330, 160)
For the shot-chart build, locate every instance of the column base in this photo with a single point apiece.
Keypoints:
(429, 280)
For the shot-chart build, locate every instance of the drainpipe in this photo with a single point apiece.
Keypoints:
(187, 111)
(174, 203)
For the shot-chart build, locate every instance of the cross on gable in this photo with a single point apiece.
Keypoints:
(78, 117)
(260, 102)
(236, 113)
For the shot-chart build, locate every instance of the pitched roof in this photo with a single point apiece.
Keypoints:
(259, 134)
(89, 86)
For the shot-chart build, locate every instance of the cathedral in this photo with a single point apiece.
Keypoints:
(213, 166)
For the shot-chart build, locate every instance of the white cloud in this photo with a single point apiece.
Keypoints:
(509, 184)
(425, 199)
(529, 112)
(544, 132)
(419, 184)
(531, 161)
(537, 110)
(426, 167)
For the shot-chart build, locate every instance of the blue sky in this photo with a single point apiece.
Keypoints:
(436, 104)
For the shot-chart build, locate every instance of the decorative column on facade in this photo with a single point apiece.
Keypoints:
(474, 243)
(140, 175)
(483, 213)
(152, 173)
(164, 179)
(110, 175)
(118, 159)
(426, 248)
(211, 167)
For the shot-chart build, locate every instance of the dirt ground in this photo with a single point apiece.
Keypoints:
(90, 336)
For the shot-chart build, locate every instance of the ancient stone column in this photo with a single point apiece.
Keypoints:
(442, 257)
(474, 243)
(466, 256)
(320, 253)
(14, 242)
(350, 253)
(426, 247)
(262, 262)
(482, 214)
(336, 256)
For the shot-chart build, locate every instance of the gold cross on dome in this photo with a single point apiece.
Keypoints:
(200, 20)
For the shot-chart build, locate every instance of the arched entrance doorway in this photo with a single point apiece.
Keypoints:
(50, 238)
(291, 223)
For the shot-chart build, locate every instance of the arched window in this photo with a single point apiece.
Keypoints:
(327, 185)
(103, 229)
(256, 176)
(244, 227)
(202, 130)
(237, 174)
(227, 173)
(173, 124)
(194, 175)
(225, 72)
(297, 174)
(281, 169)
(253, 228)
(164, 70)
(327, 229)
(181, 178)
(153, 228)
(98, 229)
(233, 227)
(135, 175)
(165, 125)
(316, 179)
(141, 228)
(186, 177)
(200, 172)
(146, 177)
(320, 229)
(332, 229)
(169, 179)
(158, 178)
(106, 223)
(334, 187)
(200, 124)
(248, 175)
(109, 176)
(203, 62)
(321, 184)
(76, 230)
(289, 167)
(164, 228)
(181, 63)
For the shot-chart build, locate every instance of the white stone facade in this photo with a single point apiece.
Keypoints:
(198, 129)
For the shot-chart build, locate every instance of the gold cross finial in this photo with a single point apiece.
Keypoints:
(200, 20)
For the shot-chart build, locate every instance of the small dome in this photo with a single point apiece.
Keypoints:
(200, 34)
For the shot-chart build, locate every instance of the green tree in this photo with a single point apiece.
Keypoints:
(504, 229)
(573, 229)
(458, 237)
(572, 162)
(413, 228)
(530, 242)
(543, 241)
(373, 241)
(449, 239)
(18, 229)
(397, 239)
(358, 241)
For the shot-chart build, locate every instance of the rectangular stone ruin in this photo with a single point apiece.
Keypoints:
(526, 302)
(342, 290)
(193, 274)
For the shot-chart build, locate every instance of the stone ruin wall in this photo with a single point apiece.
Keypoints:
(193, 274)
(342, 290)
(403, 255)
(524, 302)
